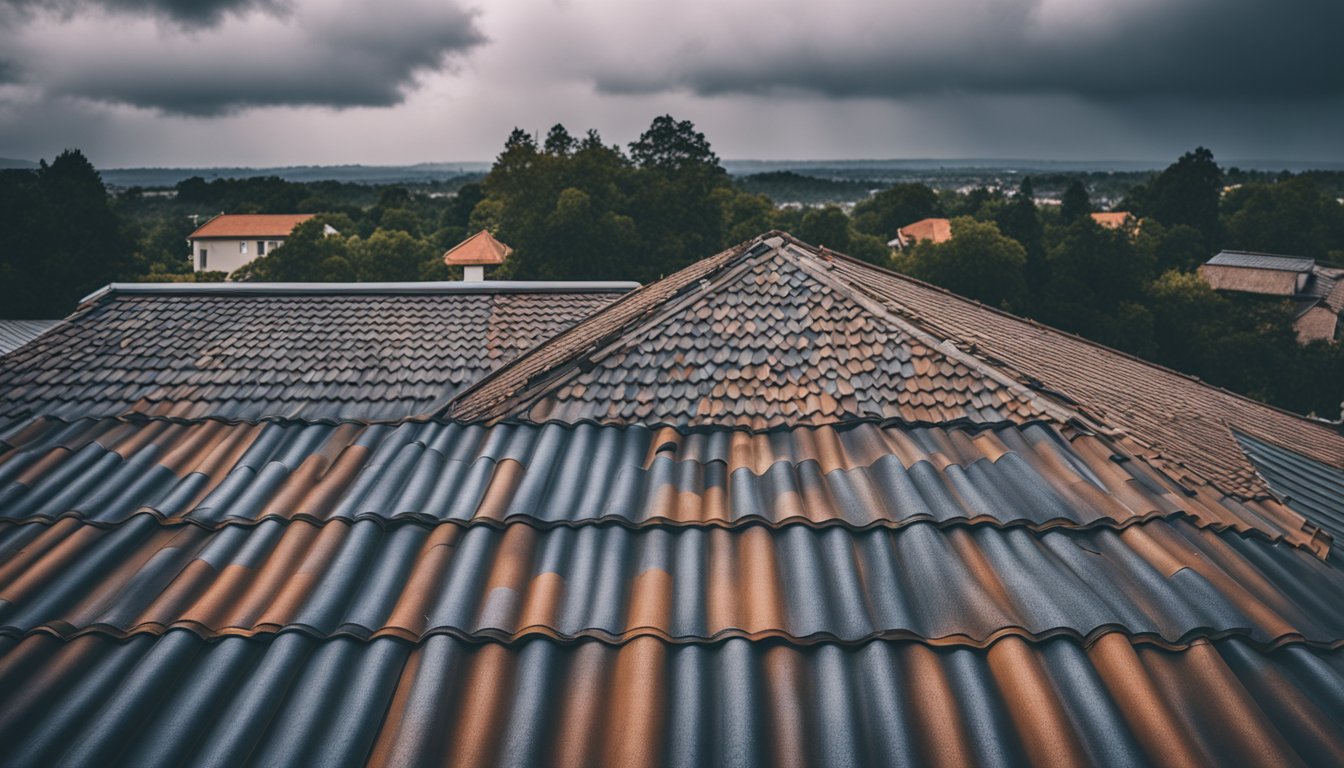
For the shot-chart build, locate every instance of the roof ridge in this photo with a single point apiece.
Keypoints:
(1318, 423)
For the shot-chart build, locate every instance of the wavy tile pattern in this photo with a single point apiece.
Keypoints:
(1164, 582)
(859, 476)
(292, 699)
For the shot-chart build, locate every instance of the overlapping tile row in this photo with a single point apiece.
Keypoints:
(1186, 420)
(246, 357)
(291, 699)
(862, 475)
(771, 346)
(1163, 581)
(1314, 489)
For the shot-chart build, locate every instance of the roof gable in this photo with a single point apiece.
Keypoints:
(761, 341)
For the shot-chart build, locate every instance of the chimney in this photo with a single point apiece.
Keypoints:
(474, 254)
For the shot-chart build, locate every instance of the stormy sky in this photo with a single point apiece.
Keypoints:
(280, 82)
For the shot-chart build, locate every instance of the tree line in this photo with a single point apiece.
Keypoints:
(579, 208)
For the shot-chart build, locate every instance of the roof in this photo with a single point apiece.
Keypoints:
(993, 573)
(1311, 487)
(481, 249)
(244, 351)
(250, 225)
(937, 230)
(16, 333)
(1249, 260)
(1112, 219)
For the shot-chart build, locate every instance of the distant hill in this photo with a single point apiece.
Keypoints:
(9, 163)
(422, 173)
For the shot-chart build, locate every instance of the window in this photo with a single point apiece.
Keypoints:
(242, 246)
(261, 247)
(270, 245)
(203, 261)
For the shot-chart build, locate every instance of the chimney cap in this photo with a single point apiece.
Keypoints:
(481, 249)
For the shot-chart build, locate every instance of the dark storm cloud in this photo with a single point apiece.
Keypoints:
(188, 13)
(1201, 50)
(355, 54)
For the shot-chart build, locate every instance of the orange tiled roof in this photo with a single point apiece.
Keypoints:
(250, 225)
(1112, 219)
(936, 230)
(481, 249)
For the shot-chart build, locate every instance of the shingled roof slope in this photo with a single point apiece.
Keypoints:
(247, 352)
(250, 225)
(676, 361)
(1019, 584)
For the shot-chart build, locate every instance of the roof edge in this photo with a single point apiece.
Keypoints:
(348, 289)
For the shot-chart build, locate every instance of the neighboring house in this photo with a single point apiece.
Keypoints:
(780, 507)
(228, 241)
(16, 333)
(936, 230)
(1115, 219)
(1316, 290)
(474, 254)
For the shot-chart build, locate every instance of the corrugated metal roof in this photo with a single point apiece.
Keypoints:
(16, 333)
(247, 355)
(1251, 260)
(1060, 581)
(1314, 489)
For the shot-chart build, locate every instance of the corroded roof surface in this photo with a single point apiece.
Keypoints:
(963, 557)
(248, 356)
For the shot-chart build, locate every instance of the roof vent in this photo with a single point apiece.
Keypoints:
(474, 254)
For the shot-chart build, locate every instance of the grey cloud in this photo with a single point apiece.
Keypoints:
(1200, 50)
(369, 55)
(187, 13)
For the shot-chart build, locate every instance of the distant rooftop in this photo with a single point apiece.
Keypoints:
(16, 333)
(1252, 260)
(250, 225)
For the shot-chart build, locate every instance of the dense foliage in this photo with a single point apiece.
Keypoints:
(577, 208)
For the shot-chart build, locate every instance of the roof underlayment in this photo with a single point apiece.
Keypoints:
(781, 508)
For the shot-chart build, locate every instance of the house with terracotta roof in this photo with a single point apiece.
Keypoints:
(780, 507)
(934, 230)
(1316, 290)
(1115, 219)
(228, 241)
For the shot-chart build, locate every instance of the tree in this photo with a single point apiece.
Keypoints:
(1187, 193)
(558, 141)
(673, 145)
(979, 262)
(389, 256)
(308, 255)
(1019, 220)
(893, 208)
(61, 240)
(1075, 204)
(1291, 217)
(827, 226)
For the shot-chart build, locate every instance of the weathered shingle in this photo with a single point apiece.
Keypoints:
(247, 353)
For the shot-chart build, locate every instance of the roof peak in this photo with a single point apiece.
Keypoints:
(480, 250)
(759, 336)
